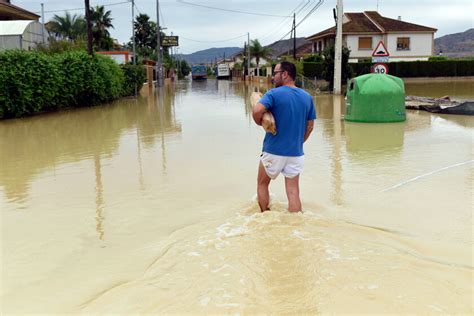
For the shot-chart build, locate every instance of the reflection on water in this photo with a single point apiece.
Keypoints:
(456, 89)
(32, 145)
(130, 203)
(366, 139)
(337, 194)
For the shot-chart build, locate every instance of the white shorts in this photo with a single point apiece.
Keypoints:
(290, 167)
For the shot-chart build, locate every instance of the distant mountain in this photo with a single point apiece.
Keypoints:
(283, 46)
(209, 55)
(456, 45)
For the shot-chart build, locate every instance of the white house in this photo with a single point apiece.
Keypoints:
(238, 58)
(361, 32)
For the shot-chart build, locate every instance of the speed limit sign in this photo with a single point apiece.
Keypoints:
(380, 68)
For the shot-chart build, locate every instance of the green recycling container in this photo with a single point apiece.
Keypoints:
(375, 98)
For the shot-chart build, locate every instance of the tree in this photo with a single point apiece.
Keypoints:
(145, 38)
(258, 51)
(70, 27)
(328, 65)
(101, 22)
(184, 68)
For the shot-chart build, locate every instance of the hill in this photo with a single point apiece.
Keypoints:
(283, 46)
(209, 55)
(456, 45)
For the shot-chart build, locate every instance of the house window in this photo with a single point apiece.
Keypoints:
(403, 43)
(365, 43)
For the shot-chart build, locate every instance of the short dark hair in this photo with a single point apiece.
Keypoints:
(289, 68)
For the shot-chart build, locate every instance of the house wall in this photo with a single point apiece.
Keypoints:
(262, 61)
(421, 46)
(353, 44)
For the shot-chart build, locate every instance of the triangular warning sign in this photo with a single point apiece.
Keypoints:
(380, 50)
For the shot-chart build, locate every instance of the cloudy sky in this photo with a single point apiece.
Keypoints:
(201, 27)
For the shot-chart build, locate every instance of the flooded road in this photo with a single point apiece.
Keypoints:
(148, 206)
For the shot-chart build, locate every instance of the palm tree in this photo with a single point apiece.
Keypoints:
(101, 22)
(258, 51)
(145, 32)
(69, 26)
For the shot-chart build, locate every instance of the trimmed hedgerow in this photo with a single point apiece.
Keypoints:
(134, 75)
(405, 69)
(32, 82)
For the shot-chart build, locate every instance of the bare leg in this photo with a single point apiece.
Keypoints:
(293, 193)
(263, 181)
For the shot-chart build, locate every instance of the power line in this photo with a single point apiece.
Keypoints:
(320, 2)
(136, 7)
(220, 41)
(162, 18)
(279, 26)
(82, 9)
(229, 10)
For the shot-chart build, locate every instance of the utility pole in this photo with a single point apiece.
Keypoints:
(89, 27)
(177, 62)
(133, 41)
(338, 50)
(133, 33)
(248, 54)
(158, 45)
(42, 22)
(294, 36)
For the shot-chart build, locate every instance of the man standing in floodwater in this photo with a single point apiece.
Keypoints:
(294, 114)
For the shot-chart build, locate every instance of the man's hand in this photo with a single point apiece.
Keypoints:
(257, 113)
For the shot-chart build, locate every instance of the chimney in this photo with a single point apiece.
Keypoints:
(399, 18)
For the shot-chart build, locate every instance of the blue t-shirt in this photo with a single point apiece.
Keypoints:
(291, 108)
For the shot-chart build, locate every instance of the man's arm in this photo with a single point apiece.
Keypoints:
(309, 129)
(257, 113)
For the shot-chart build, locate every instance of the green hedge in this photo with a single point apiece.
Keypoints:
(312, 69)
(134, 75)
(32, 82)
(436, 68)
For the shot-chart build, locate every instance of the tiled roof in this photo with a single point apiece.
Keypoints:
(373, 22)
(300, 51)
(393, 25)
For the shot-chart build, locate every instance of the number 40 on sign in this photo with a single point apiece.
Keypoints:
(380, 68)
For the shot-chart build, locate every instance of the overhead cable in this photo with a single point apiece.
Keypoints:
(82, 9)
(220, 41)
(280, 25)
(229, 10)
(320, 2)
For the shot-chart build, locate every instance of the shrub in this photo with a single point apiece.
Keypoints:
(28, 83)
(407, 69)
(314, 58)
(55, 46)
(312, 69)
(328, 65)
(134, 75)
(437, 58)
(32, 82)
